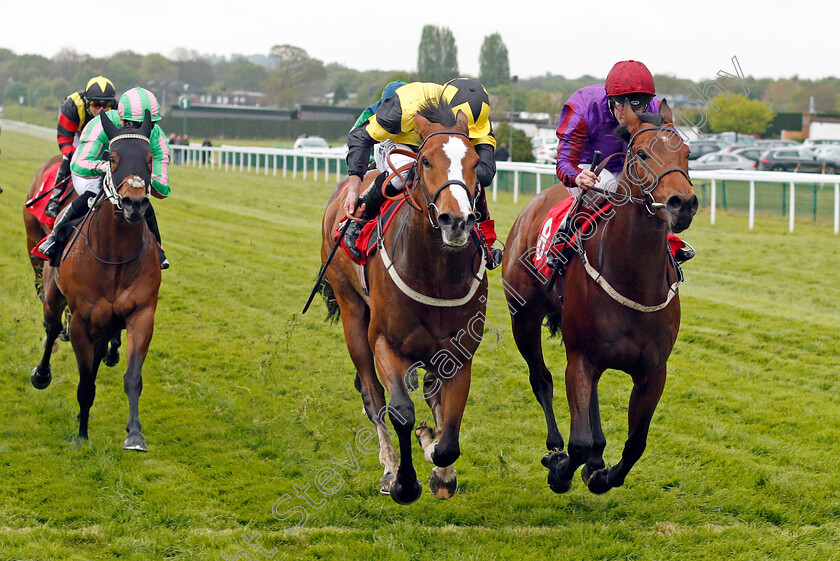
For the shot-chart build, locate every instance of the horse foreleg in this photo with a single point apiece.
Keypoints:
(88, 357)
(54, 304)
(406, 488)
(445, 449)
(139, 328)
(355, 319)
(643, 401)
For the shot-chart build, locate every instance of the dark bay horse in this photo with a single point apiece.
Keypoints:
(109, 277)
(621, 310)
(35, 232)
(426, 306)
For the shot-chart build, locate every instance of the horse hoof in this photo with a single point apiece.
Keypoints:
(41, 379)
(81, 440)
(558, 485)
(406, 495)
(443, 489)
(135, 442)
(112, 357)
(386, 482)
(64, 335)
(597, 481)
(424, 429)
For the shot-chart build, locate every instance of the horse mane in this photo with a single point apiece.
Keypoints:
(649, 118)
(438, 111)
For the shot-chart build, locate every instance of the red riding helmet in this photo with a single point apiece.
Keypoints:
(629, 77)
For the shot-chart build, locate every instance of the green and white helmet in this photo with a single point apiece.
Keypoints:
(135, 102)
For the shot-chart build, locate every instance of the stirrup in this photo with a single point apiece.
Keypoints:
(684, 253)
(47, 247)
(494, 257)
(350, 237)
(52, 209)
(164, 262)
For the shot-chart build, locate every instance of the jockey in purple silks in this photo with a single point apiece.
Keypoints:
(587, 123)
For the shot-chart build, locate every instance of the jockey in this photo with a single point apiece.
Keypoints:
(392, 126)
(587, 123)
(77, 110)
(88, 164)
(370, 110)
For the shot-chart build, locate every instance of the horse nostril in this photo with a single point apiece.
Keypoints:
(675, 203)
(693, 204)
(470, 222)
(445, 220)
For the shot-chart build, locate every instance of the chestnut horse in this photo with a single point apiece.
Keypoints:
(35, 232)
(427, 290)
(621, 311)
(109, 277)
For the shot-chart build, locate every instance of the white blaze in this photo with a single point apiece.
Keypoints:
(455, 150)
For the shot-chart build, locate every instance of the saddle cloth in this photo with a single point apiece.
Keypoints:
(550, 245)
(47, 183)
(371, 232)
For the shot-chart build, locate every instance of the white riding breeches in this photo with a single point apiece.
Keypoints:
(82, 184)
(380, 157)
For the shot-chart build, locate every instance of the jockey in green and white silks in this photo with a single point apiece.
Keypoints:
(88, 165)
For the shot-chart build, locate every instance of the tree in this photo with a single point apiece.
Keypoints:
(158, 68)
(198, 73)
(339, 94)
(437, 55)
(739, 114)
(244, 75)
(493, 61)
(521, 143)
(295, 76)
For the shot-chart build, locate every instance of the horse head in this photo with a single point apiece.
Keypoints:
(446, 176)
(131, 167)
(657, 164)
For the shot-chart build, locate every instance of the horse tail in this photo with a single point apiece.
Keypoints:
(553, 320)
(333, 311)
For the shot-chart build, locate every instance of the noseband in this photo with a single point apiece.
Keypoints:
(134, 182)
(647, 199)
(427, 196)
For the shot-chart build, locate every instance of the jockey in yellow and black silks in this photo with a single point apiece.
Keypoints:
(392, 126)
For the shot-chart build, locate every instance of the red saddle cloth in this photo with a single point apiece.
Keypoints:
(47, 183)
(585, 218)
(366, 242)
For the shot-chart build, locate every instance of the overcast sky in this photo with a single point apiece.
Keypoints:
(773, 38)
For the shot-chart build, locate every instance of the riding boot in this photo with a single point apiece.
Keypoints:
(373, 199)
(152, 223)
(488, 230)
(681, 250)
(58, 188)
(77, 209)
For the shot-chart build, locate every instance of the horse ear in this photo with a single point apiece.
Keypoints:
(463, 121)
(423, 125)
(630, 118)
(109, 127)
(146, 127)
(665, 111)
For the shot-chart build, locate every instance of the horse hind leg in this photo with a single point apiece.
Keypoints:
(643, 401)
(41, 375)
(112, 357)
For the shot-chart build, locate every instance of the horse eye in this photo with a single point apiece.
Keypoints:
(426, 163)
(642, 155)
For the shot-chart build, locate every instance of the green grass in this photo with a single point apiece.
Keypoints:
(245, 398)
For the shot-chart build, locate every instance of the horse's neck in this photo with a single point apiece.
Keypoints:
(419, 254)
(113, 238)
(630, 250)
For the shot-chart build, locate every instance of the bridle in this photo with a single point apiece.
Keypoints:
(134, 182)
(420, 184)
(646, 199)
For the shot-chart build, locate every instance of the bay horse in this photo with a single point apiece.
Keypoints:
(427, 291)
(622, 313)
(35, 232)
(109, 277)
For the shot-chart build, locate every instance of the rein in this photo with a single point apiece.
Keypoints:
(652, 208)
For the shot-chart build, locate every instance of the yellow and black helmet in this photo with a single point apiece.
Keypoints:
(470, 97)
(101, 90)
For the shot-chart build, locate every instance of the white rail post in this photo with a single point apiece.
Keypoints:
(327, 169)
(752, 204)
(274, 161)
(836, 208)
(495, 186)
(249, 162)
(285, 164)
(226, 158)
(242, 161)
(792, 205)
(515, 186)
(539, 183)
(294, 166)
(337, 170)
(305, 162)
(713, 201)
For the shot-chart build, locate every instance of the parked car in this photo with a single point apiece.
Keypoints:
(546, 153)
(750, 152)
(777, 143)
(702, 147)
(311, 143)
(795, 159)
(721, 160)
(818, 142)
